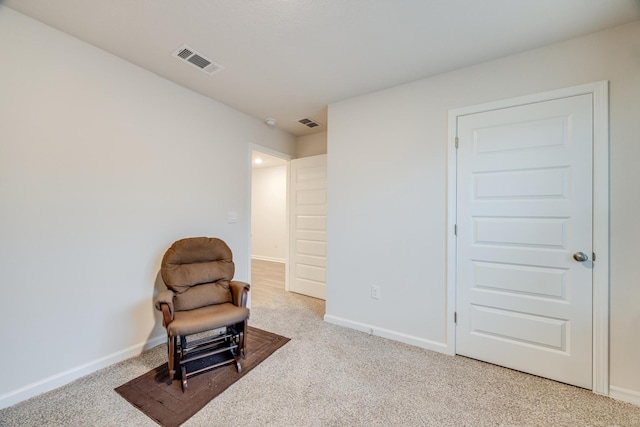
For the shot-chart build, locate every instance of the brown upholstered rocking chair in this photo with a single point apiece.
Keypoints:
(202, 299)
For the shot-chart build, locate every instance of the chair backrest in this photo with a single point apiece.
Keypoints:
(198, 270)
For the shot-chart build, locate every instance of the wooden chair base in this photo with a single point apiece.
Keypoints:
(229, 346)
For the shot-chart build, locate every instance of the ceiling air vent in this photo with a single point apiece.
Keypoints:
(309, 123)
(185, 53)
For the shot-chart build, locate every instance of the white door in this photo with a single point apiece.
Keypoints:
(308, 235)
(524, 209)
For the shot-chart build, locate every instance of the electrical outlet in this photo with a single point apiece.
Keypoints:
(375, 292)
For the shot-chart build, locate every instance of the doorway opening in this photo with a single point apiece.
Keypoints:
(269, 236)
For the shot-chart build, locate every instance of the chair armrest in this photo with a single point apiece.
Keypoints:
(239, 291)
(167, 316)
(164, 303)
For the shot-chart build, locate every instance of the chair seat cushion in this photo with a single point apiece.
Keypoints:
(206, 318)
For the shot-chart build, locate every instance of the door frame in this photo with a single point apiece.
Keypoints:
(600, 95)
(268, 151)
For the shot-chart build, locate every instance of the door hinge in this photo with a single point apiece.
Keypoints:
(455, 317)
(593, 256)
(455, 229)
(456, 142)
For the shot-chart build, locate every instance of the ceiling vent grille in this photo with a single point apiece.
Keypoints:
(185, 53)
(309, 123)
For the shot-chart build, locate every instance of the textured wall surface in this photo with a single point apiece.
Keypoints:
(102, 166)
(387, 206)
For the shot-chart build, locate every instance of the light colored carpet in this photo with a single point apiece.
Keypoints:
(331, 376)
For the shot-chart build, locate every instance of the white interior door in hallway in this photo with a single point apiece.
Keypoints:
(524, 238)
(308, 234)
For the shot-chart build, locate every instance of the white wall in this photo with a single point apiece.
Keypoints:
(388, 190)
(102, 166)
(311, 145)
(269, 213)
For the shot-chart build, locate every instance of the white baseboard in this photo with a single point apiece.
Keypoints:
(386, 333)
(63, 378)
(624, 394)
(267, 258)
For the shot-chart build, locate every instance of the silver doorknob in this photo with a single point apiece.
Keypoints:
(580, 256)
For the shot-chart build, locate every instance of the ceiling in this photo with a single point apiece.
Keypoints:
(289, 59)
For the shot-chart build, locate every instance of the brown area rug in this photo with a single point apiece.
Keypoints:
(169, 406)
